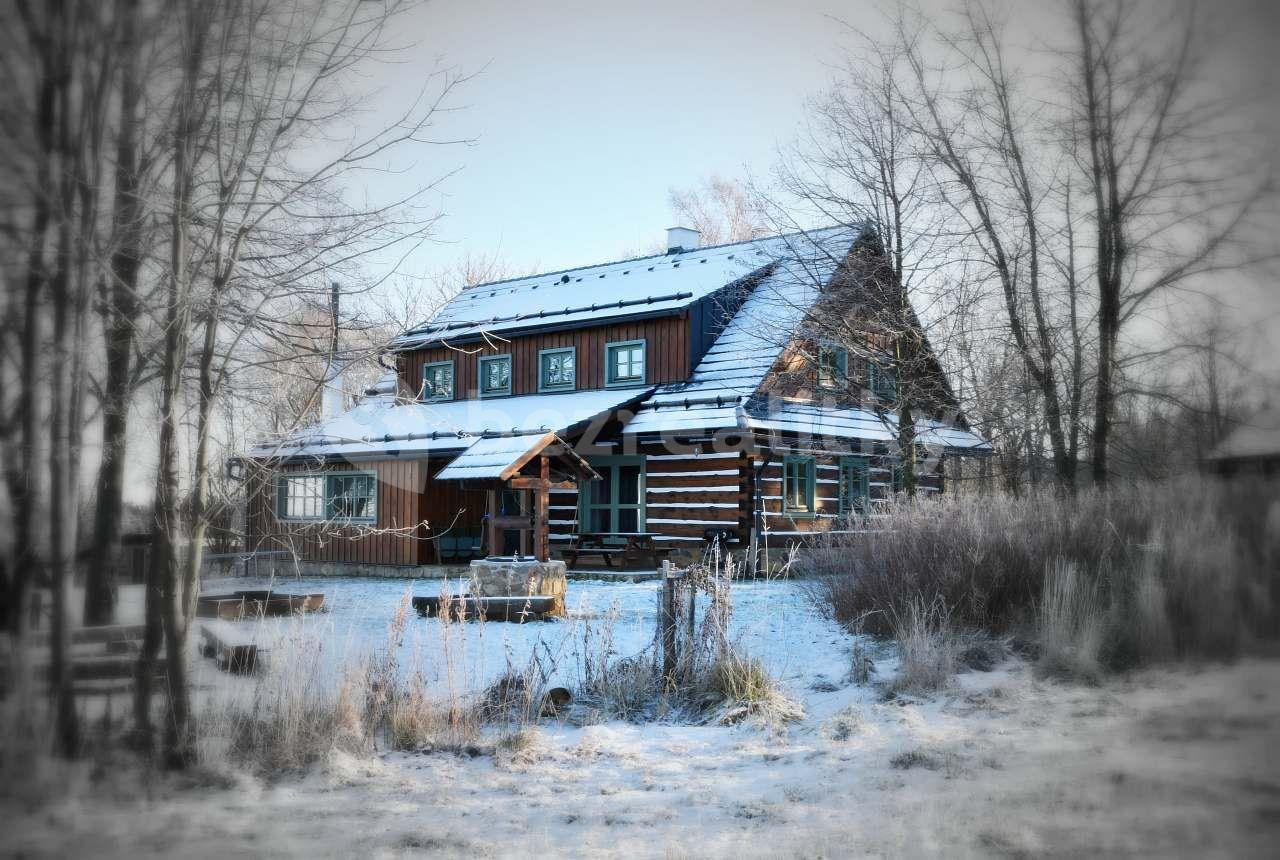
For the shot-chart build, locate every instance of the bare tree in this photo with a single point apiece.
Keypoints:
(254, 224)
(722, 210)
(1168, 206)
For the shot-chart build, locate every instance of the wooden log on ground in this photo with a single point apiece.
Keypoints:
(465, 607)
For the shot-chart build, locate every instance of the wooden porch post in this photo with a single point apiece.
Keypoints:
(541, 527)
(491, 498)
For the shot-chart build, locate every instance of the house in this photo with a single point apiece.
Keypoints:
(659, 401)
(1252, 448)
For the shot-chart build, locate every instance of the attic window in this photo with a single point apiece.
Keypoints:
(556, 369)
(883, 382)
(624, 363)
(437, 380)
(495, 375)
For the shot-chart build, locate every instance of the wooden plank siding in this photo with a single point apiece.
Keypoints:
(667, 357)
(400, 484)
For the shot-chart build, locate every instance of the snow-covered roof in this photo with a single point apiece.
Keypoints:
(381, 425)
(819, 421)
(1257, 437)
(737, 363)
(940, 434)
(809, 419)
(654, 285)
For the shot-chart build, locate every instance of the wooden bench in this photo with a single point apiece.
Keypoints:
(636, 550)
(571, 554)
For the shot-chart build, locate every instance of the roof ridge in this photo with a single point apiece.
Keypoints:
(658, 256)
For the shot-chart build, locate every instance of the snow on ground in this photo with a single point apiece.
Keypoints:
(772, 620)
(1172, 762)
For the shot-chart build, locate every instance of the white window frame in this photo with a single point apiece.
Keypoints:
(324, 499)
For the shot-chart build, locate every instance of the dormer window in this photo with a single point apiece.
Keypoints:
(495, 375)
(624, 363)
(437, 380)
(556, 369)
(833, 366)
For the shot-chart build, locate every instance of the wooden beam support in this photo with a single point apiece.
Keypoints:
(491, 498)
(525, 482)
(542, 506)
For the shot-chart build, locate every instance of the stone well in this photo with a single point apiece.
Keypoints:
(505, 576)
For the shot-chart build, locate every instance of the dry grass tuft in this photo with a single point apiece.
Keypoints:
(927, 647)
(736, 688)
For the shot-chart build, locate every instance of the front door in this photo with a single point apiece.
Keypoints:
(614, 504)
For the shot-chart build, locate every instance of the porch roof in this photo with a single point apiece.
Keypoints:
(501, 457)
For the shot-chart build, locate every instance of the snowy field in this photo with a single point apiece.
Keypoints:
(772, 620)
(1172, 762)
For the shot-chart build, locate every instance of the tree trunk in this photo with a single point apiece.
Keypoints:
(63, 500)
(121, 317)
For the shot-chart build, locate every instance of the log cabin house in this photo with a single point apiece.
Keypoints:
(679, 397)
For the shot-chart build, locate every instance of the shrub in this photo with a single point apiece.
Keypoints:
(1100, 582)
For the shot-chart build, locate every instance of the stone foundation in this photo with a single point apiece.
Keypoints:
(507, 577)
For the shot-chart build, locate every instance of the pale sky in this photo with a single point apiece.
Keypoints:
(585, 114)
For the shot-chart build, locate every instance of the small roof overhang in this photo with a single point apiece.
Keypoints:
(500, 458)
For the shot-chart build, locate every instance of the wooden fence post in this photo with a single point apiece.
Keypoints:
(667, 620)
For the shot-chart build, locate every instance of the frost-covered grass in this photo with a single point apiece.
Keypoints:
(1101, 582)
(371, 675)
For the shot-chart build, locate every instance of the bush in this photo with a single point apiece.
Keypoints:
(1100, 582)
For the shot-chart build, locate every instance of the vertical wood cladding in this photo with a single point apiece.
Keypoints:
(667, 356)
(395, 539)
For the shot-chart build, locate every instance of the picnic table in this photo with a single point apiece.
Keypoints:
(637, 549)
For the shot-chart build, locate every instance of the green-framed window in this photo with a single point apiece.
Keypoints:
(345, 496)
(557, 369)
(495, 375)
(833, 366)
(616, 502)
(798, 485)
(855, 485)
(624, 363)
(882, 381)
(437, 380)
